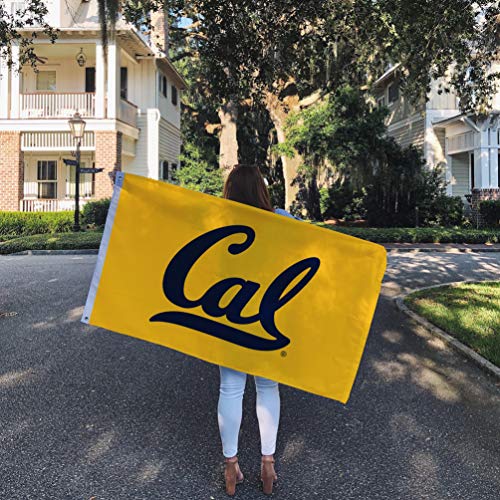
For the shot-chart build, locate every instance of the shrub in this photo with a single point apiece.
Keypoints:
(341, 202)
(490, 211)
(445, 211)
(94, 213)
(27, 223)
(419, 234)
(56, 241)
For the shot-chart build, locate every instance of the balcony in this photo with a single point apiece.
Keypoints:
(57, 105)
(41, 105)
(128, 112)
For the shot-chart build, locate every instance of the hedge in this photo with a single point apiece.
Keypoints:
(490, 210)
(26, 223)
(419, 234)
(57, 241)
(95, 212)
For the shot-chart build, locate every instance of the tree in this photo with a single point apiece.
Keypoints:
(290, 55)
(15, 29)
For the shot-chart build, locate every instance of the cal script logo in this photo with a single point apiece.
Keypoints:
(273, 299)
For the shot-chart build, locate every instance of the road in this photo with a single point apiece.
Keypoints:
(85, 413)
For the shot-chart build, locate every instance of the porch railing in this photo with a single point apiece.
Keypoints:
(128, 112)
(57, 105)
(36, 205)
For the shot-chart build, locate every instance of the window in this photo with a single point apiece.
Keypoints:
(393, 92)
(381, 101)
(174, 95)
(47, 178)
(123, 83)
(164, 174)
(89, 79)
(46, 81)
(163, 85)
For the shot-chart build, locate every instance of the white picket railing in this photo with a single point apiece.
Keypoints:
(57, 105)
(37, 205)
(55, 141)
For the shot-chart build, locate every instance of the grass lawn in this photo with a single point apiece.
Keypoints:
(52, 241)
(468, 311)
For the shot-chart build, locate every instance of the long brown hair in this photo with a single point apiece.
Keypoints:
(245, 184)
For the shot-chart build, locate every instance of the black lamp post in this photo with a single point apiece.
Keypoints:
(77, 127)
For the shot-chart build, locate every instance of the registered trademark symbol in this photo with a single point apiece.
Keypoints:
(7, 314)
(283, 354)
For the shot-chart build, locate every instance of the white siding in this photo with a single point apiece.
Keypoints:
(410, 132)
(170, 142)
(139, 164)
(460, 174)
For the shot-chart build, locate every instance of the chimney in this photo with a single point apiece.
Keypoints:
(159, 30)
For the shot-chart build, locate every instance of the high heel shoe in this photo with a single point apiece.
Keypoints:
(268, 474)
(232, 475)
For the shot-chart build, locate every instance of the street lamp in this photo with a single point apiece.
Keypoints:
(77, 127)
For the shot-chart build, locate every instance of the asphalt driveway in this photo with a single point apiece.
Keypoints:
(86, 413)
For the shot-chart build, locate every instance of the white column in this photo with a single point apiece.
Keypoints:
(448, 175)
(494, 158)
(100, 80)
(4, 88)
(482, 160)
(113, 80)
(14, 83)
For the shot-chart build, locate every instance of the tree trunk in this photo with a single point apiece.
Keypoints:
(228, 148)
(278, 113)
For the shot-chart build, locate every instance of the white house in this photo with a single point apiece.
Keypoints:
(468, 148)
(130, 102)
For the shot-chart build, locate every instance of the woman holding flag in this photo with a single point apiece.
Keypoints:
(245, 184)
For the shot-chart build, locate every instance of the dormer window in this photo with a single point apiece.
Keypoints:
(393, 92)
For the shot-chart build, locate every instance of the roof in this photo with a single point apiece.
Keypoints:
(387, 74)
(459, 118)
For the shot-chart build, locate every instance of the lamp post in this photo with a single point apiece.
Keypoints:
(77, 127)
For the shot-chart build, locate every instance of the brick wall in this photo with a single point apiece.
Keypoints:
(11, 170)
(108, 154)
(477, 196)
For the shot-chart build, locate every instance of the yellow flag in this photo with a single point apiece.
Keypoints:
(235, 285)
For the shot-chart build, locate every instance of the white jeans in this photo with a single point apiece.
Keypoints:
(232, 387)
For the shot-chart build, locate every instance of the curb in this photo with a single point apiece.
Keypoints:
(441, 250)
(84, 251)
(94, 251)
(448, 339)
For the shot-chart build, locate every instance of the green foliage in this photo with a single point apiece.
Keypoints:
(445, 211)
(94, 213)
(197, 173)
(419, 234)
(490, 211)
(340, 201)
(16, 28)
(341, 133)
(404, 192)
(344, 138)
(56, 241)
(27, 223)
